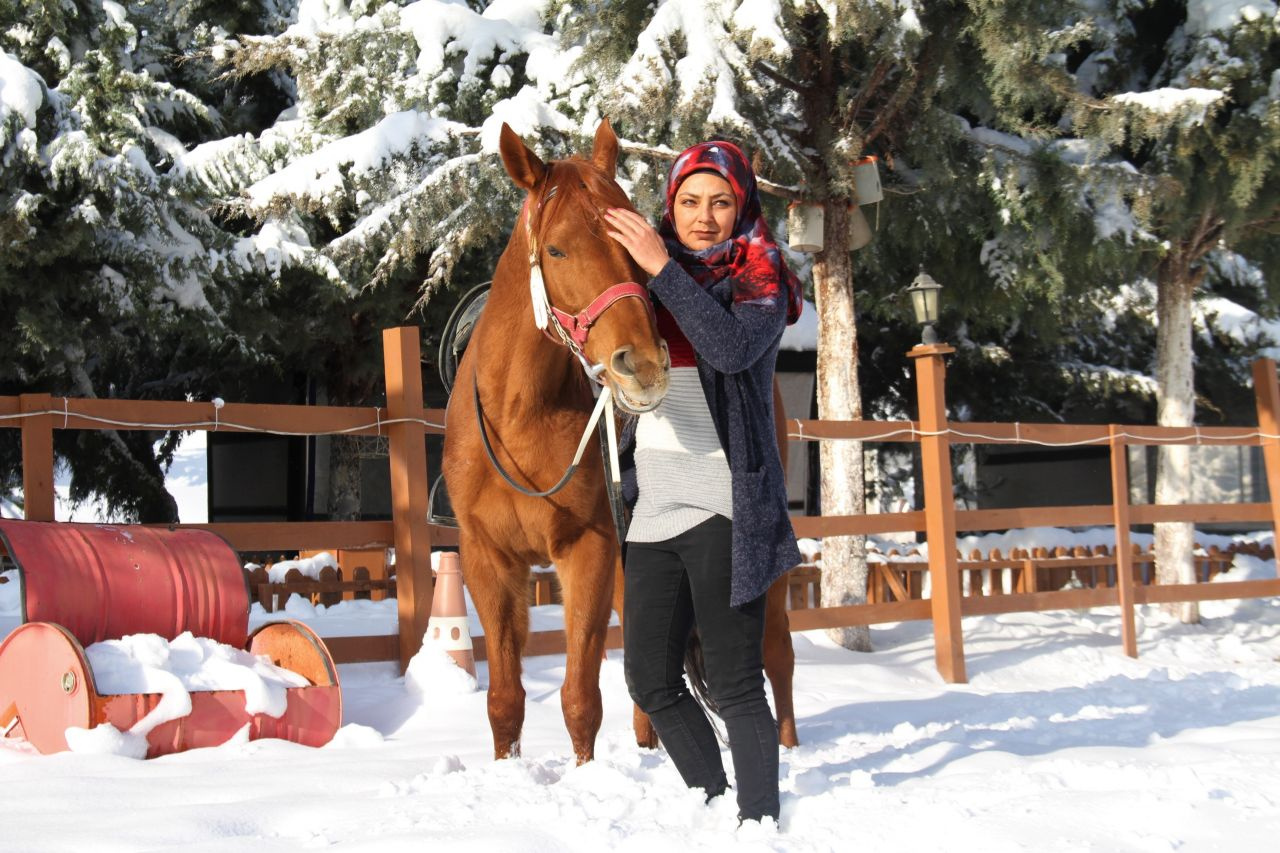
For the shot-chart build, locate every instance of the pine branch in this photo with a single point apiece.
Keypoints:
(780, 78)
(869, 89)
(665, 154)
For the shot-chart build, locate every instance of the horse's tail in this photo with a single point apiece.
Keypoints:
(696, 670)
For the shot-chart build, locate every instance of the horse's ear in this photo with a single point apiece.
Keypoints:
(604, 154)
(522, 165)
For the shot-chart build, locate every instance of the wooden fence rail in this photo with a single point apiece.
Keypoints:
(405, 422)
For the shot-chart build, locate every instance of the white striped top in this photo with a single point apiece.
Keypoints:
(681, 469)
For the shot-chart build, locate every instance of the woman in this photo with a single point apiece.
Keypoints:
(709, 529)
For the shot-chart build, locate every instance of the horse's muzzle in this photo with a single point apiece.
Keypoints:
(638, 384)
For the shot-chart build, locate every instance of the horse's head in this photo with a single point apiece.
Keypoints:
(581, 280)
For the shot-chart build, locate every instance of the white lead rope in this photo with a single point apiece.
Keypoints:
(604, 401)
(611, 429)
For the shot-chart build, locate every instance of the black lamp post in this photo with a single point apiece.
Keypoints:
(924, 301)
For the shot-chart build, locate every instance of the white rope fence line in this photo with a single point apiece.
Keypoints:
(1018, 438)
(217, 423)
(378, 423)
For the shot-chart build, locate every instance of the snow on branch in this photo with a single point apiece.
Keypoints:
(322, 174)
(1189, 106)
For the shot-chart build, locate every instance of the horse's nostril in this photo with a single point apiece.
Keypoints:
(621, 363)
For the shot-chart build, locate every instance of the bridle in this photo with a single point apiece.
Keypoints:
(571, 330)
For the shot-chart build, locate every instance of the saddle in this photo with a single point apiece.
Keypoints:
(453, 343)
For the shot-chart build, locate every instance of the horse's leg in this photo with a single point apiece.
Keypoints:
(499, 589)
(779, 655)
(646, 737)
(780, 660)
(586, 583)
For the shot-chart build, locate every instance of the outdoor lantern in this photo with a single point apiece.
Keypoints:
(924, 301)
(804, 226)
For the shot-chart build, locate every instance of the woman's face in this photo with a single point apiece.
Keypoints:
(704, 210)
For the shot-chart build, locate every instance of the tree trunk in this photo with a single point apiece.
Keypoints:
(344, 478)
(844, 558)
(1175, 399)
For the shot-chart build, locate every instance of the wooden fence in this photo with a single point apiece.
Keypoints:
(940, 520)
(405, 422)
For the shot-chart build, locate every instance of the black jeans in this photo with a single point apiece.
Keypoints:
(671, 587)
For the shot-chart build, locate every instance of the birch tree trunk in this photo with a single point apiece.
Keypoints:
(844, 558)
(1175, 400)
(344, 478)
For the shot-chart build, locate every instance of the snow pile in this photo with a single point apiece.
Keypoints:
(1192, 103)
(147, 663)
(10, 602)
(309, 566)
(432, 672)
(20, 91)
(1206, 16)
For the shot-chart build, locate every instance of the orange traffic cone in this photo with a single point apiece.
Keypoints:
(447, 627)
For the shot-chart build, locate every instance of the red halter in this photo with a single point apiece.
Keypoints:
(561, 326)
(577, 326)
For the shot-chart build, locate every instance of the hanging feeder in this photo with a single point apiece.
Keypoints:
(859, 229)
(85, 583)
(866, 180)
(804, 226)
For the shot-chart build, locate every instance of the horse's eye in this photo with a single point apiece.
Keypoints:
(554, 252)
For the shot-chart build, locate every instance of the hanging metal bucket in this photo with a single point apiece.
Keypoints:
(866, 180)
(85, 583)
(804, 226)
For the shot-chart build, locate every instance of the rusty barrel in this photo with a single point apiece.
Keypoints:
(81, 584)
(104, 581)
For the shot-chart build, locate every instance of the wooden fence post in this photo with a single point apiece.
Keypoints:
(37, 458)
(1266, 392)
(1124, 553)
(401, 354)
(939, 510)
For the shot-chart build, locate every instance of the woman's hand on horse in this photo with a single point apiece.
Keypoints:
(639, 238)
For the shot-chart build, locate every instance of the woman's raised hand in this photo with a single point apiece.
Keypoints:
(641, 240)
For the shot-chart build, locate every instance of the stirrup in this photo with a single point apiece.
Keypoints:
(439, 507)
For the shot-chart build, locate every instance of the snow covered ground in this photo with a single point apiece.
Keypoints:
(1058, 742)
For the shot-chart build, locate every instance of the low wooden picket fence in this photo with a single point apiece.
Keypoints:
(898, 576)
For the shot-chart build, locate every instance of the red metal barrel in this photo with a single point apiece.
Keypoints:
(102, 581)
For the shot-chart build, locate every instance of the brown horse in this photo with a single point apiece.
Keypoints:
(523, 399)
(536, 398)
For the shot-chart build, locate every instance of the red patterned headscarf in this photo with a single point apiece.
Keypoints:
(749, 256)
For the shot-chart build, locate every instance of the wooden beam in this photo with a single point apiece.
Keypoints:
(819, 526)
(939, 510)
(363, 649)
(1030, 602)
(1124, 553)
(859, 614)
(1266, 392)
(1203, 513)
(409, 486)
(37, 458)
(94, 413)
(1042, 516)
(1220, 591)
